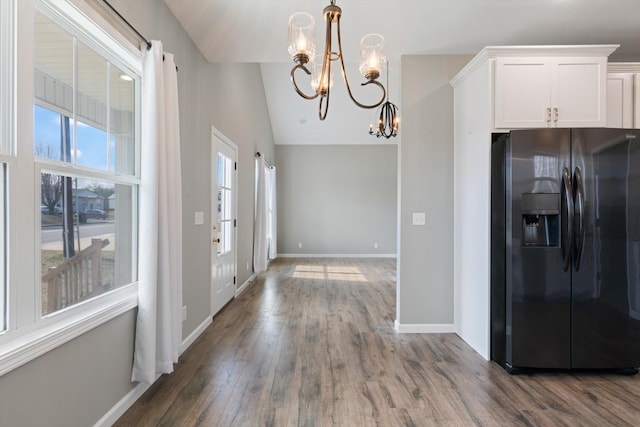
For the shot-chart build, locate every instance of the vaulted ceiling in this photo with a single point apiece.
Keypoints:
(256, 31)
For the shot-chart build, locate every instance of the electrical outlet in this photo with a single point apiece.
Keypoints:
(247, 265)
(375, 245)
(184, 313)
(299, 244)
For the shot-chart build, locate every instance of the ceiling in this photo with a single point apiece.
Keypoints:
(255, 31)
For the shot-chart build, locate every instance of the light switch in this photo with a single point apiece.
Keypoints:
(199, 218)
(419, 218)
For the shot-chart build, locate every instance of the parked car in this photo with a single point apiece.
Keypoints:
(94, 213)
(44, 210)
(90, 213)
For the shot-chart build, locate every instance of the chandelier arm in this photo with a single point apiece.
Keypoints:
(387, 124)
(346, 79)
(295, 85)
(322, 112)
(388, 129)
(325, 74)
(326, 57)
(326, 95)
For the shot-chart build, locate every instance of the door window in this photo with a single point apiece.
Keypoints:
(225, 219)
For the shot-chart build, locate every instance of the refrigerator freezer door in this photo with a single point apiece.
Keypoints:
(538, 290)
(606, 280)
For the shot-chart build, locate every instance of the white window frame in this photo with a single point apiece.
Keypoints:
(28, 334)
(7, 117)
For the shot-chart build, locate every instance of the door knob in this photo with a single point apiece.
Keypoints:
(216, 240)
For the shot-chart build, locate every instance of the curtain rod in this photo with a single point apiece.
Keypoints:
(124, 20)
(113, 9)
(259, 154)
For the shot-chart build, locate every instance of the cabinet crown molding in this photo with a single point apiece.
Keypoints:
(551, 50)
(490, 52)
(623, 67)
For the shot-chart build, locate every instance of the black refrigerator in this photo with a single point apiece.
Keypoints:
(565, 249)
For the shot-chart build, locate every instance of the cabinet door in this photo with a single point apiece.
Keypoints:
(578, 91)
(620, 100)
(522, 92)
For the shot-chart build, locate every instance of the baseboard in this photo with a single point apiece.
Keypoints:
(121, 407)
(426, 328)
(195, 334)
(130, 398)
(337, 255)
(245, 284)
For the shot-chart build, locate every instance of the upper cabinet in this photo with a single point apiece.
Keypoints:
(623, 95)
(541, 86)
(550, 91)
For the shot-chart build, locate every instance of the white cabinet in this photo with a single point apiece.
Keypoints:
(623, 95)
(489, 99)
(620, 100)
(547, 91)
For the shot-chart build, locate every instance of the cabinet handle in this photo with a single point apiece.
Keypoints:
(548, 115)
(555, 115)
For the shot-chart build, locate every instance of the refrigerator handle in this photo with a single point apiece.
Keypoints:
(578, 219)
(567, 219)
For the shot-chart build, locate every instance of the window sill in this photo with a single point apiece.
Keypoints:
(27, 343)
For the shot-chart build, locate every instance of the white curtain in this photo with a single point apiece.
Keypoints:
(260, 220)
(273, 217)
(159, 322)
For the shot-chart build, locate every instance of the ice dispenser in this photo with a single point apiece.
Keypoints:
(541, 219)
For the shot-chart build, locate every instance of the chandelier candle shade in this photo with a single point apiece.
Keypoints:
(302, 49)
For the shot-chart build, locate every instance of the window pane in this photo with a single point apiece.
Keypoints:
(86, 239)
(48, 138)
(121, 147)
(53, 61)
(225, 221)
(92, 146)
(92, 109)
(220, 169)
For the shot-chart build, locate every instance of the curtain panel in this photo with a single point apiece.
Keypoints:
(159, 322)
(260, 219)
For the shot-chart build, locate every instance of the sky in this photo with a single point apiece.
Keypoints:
(92, 142)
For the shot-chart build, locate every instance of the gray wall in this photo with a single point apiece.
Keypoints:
(425, 256)
(73, 385)
(78, 382)
(337, 199)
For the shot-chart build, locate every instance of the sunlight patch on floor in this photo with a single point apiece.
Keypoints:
(327, 272)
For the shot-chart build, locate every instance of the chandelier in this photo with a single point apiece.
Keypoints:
(388, 122)
(302, 48)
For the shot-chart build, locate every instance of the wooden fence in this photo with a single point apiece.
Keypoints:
(76, 279)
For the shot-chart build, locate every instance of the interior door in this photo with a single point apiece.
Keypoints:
(223, 223)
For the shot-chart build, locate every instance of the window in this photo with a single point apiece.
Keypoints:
(83, 116)
(225, 192)
(6, 137)
(69, 173)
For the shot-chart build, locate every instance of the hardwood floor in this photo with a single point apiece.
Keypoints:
(311, 343)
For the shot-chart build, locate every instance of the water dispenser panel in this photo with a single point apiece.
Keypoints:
(541, 219)
(541, 203)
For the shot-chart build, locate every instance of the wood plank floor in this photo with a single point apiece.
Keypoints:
(311, 343)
